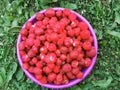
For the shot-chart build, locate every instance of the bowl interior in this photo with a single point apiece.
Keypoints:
(85, 70)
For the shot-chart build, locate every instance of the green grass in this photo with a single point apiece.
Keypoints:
(104, 16)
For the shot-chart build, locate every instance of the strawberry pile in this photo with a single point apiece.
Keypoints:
(56, 47)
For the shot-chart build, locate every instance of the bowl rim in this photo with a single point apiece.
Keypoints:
(88, 70)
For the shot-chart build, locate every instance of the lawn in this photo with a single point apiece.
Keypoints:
(104, 16)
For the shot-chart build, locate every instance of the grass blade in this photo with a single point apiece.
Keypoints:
(114, 33)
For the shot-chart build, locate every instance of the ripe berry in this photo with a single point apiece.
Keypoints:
(59, 77)
(51, 77)
(79, 37)
(80, 56)
(83, 26)
(48, 37)
(68, 27)
(51, 65)
(24, 32)
(42, 37)
(52, 47)
(63, 57)
(70, 49)
(24, 38)
(39, 65)
(66, 67)
(29, 41)
(37, 70)
(25, 66)
(85, 34)
(91, 39)
(70, 75)
(60, 42)
(66, 11)
(51, 58)
(32, 30)
(75, 71)
(31, 63)
(31, 36)
(82, 62)
(58, 62)
(68, 41)
(74, 64)
(65, 80)
(22, 53)
(38, 24)
(21, 45)
(79, 49)
(31, 68)
(63, 49)
(50, 12)
(39, 16)
(28, 25)
(91, 53)
(25, 58)
(87, 45)
(74, 54)
(34, 49)
(61, 71)
(59, 13)
(64, 22)
(76, 31)
(57, 28)
(68, 60)
(31, 53)
(43, 50)
(52, 20)
(54, 37)
(36, 43)
(43, 80)
(38, 76)
(88, 62)
(57, 82)
(47, 44)
(58, 52)
(70, 33)
(79, 75)
(76, 43)
(34, 60)
(62, 36)
(45, 21)
(56, 69)
(39, 31)
(74, 23)
(72, 16)
(47, 70)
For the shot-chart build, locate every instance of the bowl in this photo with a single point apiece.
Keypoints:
(72, 82)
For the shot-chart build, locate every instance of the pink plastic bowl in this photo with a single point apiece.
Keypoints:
(72, 82)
